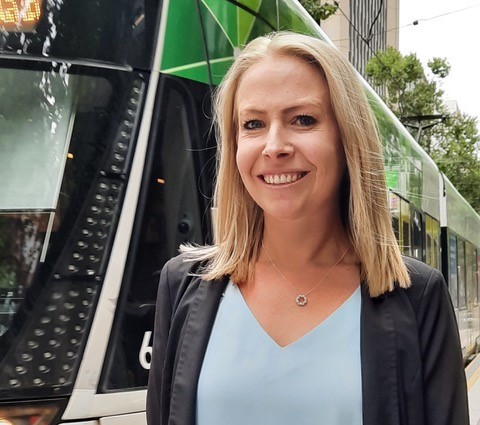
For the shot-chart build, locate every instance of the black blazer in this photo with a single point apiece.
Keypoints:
(412, 368)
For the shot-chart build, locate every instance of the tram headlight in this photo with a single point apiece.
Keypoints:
(28, 414)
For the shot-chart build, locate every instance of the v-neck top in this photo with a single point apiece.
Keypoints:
(247, 378)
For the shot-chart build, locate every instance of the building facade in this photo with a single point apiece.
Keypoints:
(360, 28)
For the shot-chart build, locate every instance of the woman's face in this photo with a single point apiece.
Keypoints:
(289, 152)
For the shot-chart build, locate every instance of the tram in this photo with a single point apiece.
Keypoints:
(107, 160)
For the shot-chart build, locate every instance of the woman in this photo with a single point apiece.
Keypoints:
(303, 311)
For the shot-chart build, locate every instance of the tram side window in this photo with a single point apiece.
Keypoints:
(173, 209)
(452, 269)
(478, 273)
(470, 273)
(417, 235)
(474, 276)
(436, 245)
(395, 212)
(462, 293)
(405, 228)
(432, 242)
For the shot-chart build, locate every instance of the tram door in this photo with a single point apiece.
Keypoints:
(173, 209)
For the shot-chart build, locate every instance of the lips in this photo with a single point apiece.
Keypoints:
(282, 178)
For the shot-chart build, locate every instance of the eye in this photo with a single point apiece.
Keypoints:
(252, 125)
(304, 120)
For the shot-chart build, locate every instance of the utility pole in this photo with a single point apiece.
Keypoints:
(436, 118)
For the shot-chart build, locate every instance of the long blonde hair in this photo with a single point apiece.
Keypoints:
(238, 225)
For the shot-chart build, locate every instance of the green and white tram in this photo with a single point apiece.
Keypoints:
(461, 262)
(106, 165)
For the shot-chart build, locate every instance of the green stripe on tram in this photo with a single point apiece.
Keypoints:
(199, 71)
(227, 27)
(246, 21)
(225, 16)
(182, 35)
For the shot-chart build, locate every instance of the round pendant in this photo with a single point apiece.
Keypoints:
(301, 300)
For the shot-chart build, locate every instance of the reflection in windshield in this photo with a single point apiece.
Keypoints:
(21, 241)
(66, 142)
(36, 118)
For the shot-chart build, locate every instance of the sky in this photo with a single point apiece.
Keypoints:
(454, 36)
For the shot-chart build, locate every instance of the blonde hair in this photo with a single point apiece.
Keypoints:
(238, 227)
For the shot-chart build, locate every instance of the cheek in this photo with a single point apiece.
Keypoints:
(245, 160)
(329, 160)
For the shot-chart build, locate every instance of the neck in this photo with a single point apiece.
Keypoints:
(300, 243)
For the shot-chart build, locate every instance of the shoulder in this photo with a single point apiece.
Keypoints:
(420, 272)
(428, 289)
(179, 276)
(426, 282)
(423, 277)
(178, 266)
(181, 279)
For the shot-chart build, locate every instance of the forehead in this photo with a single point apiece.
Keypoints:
(281, 77)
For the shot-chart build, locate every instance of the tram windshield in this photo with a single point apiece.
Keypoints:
(66, 135)
(113, 31)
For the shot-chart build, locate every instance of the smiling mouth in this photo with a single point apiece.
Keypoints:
(283, 178)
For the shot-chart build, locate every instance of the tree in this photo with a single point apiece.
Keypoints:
(408, 92)
(320, 11)
(457, 155)
(416, 97)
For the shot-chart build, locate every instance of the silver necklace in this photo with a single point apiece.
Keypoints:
(301, 299)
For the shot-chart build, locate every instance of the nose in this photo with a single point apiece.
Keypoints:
(277, 144)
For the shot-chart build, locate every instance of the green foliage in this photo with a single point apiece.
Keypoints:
(320, 11)
(457, 155)
(439, 67)
(453, 143)
(408, 91)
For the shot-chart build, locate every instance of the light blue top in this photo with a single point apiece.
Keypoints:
(247, 378)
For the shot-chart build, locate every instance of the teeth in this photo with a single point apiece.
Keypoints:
(282, 178)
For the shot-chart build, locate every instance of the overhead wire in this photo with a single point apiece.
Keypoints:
(370, 35)
(413, 23)
(357, 31)
(447, 13)
(367, 42)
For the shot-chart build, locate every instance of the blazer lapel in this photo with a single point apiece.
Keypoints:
(194, 344)
(379, 362)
